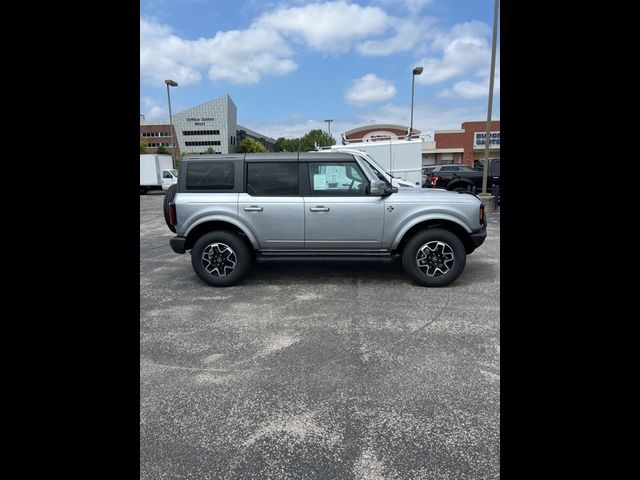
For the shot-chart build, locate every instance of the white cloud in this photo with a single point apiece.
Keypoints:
(266, 46)
(465, 48)
(160, 52)
(468, 89)
(238, 56)
(293, 128)
(427, 116)
(407, 35)
(155, 111)
(369, 89)
(412, 6)
(330, 27)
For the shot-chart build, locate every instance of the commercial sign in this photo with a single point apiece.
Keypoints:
(480, 138)
(379, 135)
(199, 121)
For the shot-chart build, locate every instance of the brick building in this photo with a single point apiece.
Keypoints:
(466, 145)
(156, 135)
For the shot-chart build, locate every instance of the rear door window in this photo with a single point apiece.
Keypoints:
(266, 179)
(210, 176)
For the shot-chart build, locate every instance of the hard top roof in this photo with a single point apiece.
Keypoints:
(274, 157)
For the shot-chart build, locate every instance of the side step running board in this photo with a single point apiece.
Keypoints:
(325, 258)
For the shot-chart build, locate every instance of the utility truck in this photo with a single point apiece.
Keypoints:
(156, 172)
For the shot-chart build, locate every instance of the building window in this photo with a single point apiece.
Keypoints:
(201, 132)
(202, 143)
(155, 134)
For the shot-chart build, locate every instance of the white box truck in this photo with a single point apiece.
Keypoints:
(156, 172)
(401, 158)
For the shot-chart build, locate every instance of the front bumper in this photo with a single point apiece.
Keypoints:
(177, 244)
(478, 238)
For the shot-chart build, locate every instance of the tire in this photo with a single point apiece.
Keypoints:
(168, 198)
(228, 247)
(464, 188)
(143, 190)
(443, 244)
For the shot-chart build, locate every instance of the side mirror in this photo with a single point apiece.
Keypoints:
(380, 188)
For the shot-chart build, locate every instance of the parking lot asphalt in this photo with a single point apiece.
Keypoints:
(317, 370)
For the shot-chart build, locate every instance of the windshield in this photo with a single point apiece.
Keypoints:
(377, 168)
(174, 172)
(377, 164)
(371, 170)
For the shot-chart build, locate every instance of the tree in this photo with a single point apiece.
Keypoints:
(316, 136)
(161, 150)
(281, 144)
(287, 144)
(307, 143)
(143, 146)
(210, 150)
(249, 145)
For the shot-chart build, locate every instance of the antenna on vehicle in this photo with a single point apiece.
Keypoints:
(391, 161)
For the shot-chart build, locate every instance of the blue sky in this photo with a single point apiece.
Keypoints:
(289, 65)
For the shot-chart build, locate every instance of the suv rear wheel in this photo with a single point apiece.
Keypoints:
(221, 258)
(464, 187)
(434, 257)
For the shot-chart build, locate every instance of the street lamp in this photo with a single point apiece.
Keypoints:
(416, 71)
(329, 123)
(171, 83)
(490, 106)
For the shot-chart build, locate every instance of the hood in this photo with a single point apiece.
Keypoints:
(398, 182)
(442, 195)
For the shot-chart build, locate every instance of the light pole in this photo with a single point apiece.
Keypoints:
(416, 71)
(487, 139)
(329, 123)
(171, 83)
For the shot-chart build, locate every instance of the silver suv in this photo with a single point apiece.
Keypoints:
(229, 209)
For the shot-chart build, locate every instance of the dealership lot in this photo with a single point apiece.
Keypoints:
(317, 369)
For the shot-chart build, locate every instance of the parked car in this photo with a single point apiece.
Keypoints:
(229, 209)
(426, 171)
(462, 177)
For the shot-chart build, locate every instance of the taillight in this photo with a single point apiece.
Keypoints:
(482, 218)
(172, 214)
(434, 180)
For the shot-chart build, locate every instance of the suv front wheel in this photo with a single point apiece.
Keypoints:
(221, 258)
(434, 257)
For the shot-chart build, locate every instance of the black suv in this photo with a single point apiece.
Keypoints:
(461, 177)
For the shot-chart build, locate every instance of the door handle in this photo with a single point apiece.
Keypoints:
(319, 209)
(253, 209)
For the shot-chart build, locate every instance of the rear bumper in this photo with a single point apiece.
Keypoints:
(177, 244)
